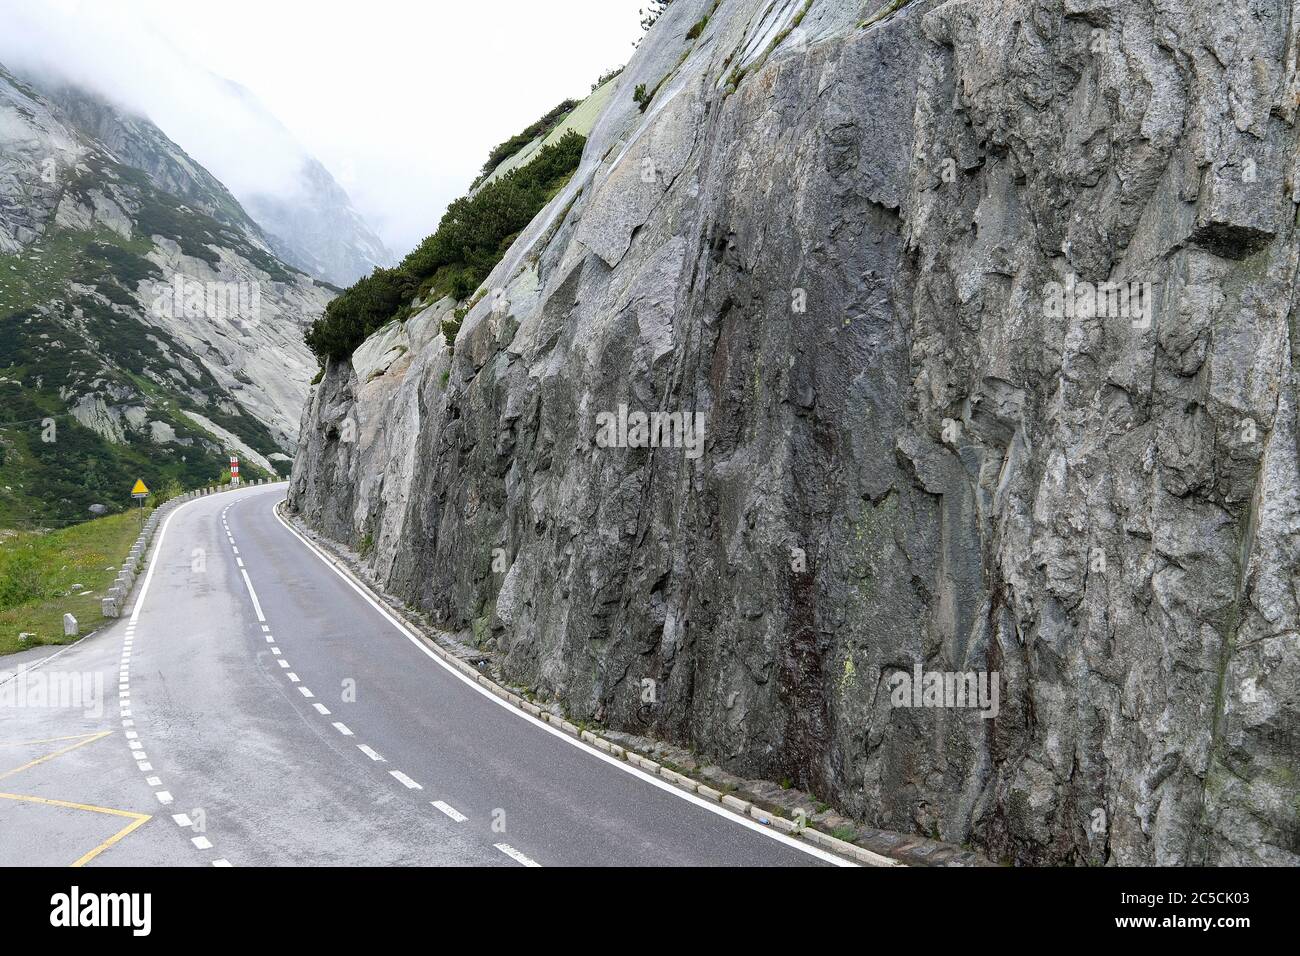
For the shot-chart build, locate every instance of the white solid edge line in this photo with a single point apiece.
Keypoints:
(153, 562)
(135, 615)
(574, 741)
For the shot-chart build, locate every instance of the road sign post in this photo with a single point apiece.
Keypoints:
(140, 492)
(234, 471)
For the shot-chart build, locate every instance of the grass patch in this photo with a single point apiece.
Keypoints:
(892, 7)
(38, 569)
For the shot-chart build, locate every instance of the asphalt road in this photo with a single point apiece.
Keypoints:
(256, 709)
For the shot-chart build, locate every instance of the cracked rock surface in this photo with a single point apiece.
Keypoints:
(838, 243)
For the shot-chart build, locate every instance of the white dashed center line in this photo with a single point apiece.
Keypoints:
(515, 855)
(450, 811)
(443, 807)
(404, 780)
(155, 783)
(257, 605)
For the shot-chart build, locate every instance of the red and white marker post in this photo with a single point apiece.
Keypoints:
(234, 469)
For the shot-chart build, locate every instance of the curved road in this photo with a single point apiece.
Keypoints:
(257, 709)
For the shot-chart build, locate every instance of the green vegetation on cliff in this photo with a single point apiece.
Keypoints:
(516, 143)
(472, 238)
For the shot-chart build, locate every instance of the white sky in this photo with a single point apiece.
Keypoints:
(400, 99)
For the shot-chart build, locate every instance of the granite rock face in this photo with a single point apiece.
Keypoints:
(988, 308)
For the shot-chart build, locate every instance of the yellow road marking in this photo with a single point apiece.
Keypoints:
(58, 753)
(137, 820)
(48, 740)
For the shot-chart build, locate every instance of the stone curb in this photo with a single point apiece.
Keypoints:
(737, 806)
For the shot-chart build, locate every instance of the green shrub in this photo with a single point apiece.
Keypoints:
(543, 127)
(641, 97)
(606, 77)
(651, 14)
(360, 310)
(171, 489)
(694, 32)
(474, 235)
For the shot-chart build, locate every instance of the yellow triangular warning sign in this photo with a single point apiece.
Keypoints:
(140, 488)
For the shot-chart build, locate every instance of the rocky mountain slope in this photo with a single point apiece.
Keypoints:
(988, 307)
(146, 328)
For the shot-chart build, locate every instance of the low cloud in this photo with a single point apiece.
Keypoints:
(400, 101)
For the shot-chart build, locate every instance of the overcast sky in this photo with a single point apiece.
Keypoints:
(400, 99)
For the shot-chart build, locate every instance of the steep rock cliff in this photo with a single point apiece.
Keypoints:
(843, 236)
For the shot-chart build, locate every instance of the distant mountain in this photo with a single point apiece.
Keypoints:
(318, 230)
(147, 326)
(315, 226)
